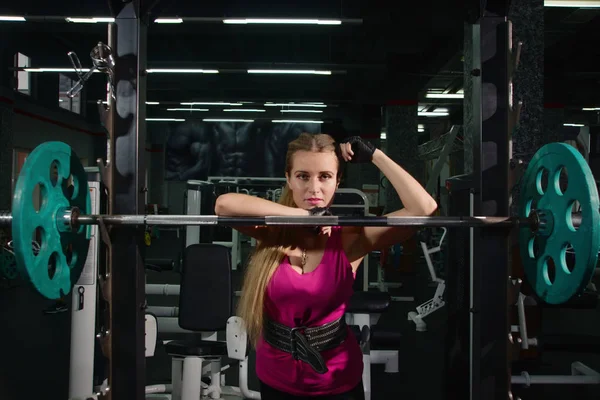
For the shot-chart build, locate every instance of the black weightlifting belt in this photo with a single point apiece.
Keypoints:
(304, 343)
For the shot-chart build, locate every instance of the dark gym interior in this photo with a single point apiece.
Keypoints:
(220, 88)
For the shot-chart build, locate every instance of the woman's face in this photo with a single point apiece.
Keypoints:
(313, 178)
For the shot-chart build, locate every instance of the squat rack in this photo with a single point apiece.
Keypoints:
(488, 373)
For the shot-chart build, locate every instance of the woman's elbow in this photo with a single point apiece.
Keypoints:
(428, 207)
(221, 204)
(432, 207)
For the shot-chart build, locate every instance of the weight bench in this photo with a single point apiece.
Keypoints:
(362, 315)
(205, 304)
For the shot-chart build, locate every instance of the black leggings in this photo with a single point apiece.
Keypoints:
(268, 393)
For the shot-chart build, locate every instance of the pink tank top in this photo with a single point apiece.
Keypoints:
(312, 299)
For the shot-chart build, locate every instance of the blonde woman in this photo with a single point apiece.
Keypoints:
(299, 279)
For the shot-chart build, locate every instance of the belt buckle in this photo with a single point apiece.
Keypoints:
(293, 340)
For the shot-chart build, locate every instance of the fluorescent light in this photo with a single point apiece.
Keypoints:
(181, 71)
(244, 21)
(420, 130)
(226, 120)
(294, 105)
(11, 18)
(383, 135)
(164, 119)
(89, 20)
(295, 121)
(244, 109)
(56, 70)
(572, 3)
(420, 126)
(150, 71)
(301, 111)
(591, 109)
(168, 21)
(209, 103)
(444, 96)
(187, 109)
(573, 125)
(432, 114)
(288, 71)
(150, 103)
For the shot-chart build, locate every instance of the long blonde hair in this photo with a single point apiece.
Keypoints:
(270, 252)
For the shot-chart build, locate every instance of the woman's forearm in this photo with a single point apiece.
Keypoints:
(243, 205)
(414, 197)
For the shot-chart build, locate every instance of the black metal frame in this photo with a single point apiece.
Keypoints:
(490, 250)
(124, 322)
(477, 351)
(488, 369)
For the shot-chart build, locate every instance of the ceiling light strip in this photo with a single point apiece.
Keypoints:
(226, 120)
(445, 96)
(244, 110)
(12, 18)
(572, 3)
(288, 71)
(295, 121)
(187, 109)
(294, 105)
(301, 111)
(283, 21)
(168, 21)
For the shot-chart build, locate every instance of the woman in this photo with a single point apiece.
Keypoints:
(299, 280)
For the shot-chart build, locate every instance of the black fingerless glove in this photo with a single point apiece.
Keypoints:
(362, 149)
(320, 211)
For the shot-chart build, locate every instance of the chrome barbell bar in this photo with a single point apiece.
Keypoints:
(70, 218)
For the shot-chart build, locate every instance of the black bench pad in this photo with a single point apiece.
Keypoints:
(369, 302)
(200, 348)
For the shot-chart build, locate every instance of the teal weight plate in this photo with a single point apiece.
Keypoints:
(56, 267)
(560, 265)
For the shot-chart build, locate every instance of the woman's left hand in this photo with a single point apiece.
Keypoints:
(357, 150)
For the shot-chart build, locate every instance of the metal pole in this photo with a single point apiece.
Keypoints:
(124, 323)
(174, 220)
(187, 220)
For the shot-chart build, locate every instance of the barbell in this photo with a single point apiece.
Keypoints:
(550, 232)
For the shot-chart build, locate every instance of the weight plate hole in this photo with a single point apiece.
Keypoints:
(531, 205)
(549, 271)
(569, 216)
(70, 255)
(561, 181)
(567, 254)
(54, 172)
(38, 238)
(39, 196)
(534, 247)
(541, 181)
(52, 264)
(71, 187)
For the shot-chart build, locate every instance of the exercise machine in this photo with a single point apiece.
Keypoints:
(437, 302)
